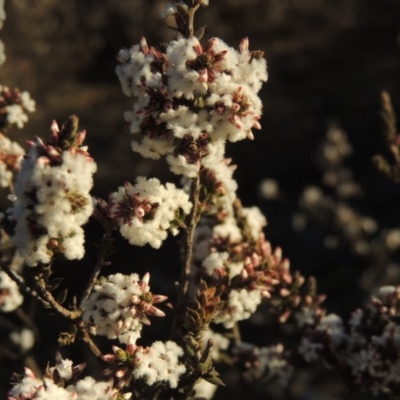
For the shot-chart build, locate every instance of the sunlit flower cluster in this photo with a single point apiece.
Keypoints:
(146, 211)
(52, 198)
(60, 383)
(368, 350)
(190, 99)
(151, 365)
(119, 305)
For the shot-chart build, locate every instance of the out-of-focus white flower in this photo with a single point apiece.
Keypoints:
(25, 339)
(10, 296)
(16, 115)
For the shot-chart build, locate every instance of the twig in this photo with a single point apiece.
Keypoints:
(96, 271)
(236, 334)
(72, 315)
(23, 287)
(88, 340)
(186, 267)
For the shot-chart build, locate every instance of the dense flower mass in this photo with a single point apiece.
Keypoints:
(190, 99)
(369, 350)
(52, 197)
(60, 383)
(119, 306)
(151, 365)
(11, 154)
(147, 211)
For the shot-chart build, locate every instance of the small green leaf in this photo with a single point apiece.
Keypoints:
(61, 297)
(200, 32)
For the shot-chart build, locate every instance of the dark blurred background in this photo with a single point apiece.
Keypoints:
(328, 61)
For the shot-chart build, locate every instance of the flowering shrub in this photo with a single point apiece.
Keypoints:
(189, 98)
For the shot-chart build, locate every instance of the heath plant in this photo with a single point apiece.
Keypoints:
(189, 98)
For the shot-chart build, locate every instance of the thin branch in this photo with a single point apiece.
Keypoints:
(23, 287)
(236, 333)
(88, 340)
(190, 21)
(188, 249)
(97, 269)
(72, 315)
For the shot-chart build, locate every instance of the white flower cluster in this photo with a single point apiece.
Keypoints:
(220, 342)
(14, 106)
(11, 154)
(32, 387)
(241, 305)
(10, 296)
(52, 202)
(332, 326)
(370, 350)
(190, 99)
(117, 307)
(159, 363)
(147, 211)
(267, 363)
(242, 299)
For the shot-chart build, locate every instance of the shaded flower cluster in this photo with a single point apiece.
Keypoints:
(60, 382)
(368, 353)
(266, 363)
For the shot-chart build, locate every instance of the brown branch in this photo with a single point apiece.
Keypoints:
(190, 20)
(188, 250)
(88, 340)
(101, 257)
(72, 315)
(23, 287)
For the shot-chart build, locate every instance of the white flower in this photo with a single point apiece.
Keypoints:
(25, 339)
(240, 305)
(145, 211)
(159, 363)
(11, 154)
(2, 14)
(10, 296)
(118, 306)
(89, 389)
(16, 115)
(53, 201)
